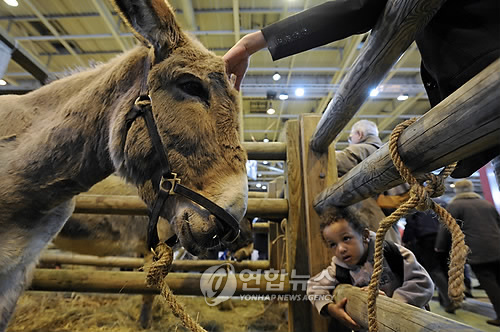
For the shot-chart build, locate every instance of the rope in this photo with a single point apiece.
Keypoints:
(420, 200)
(157, 274)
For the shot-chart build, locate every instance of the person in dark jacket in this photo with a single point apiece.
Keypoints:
(419, 236)
(481, 226)
(459, 41)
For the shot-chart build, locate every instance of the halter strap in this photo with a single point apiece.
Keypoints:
(170, 183)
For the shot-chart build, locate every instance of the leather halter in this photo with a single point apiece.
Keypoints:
(170, 184)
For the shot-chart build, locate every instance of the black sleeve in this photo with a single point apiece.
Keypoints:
(320, 25)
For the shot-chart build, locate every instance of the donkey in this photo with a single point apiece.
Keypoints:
(59, 140)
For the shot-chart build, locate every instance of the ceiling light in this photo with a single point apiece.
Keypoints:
(374, 93)
(12, 3)
(283, 96)
(2, 82)
(299, 92)
(402, 97)
(265, 162)
(265, 140)
(276, 76)
(264, 187)
(271, 111)
(452, 185)
(258, 185)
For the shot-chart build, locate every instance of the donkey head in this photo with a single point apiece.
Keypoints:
(196, 111)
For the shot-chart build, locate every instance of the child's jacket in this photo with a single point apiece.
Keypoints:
(416, 289)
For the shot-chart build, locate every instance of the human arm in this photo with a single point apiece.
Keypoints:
(316, 26)
(319, 291)
(320, 25)
(417, 288)
(238, 57)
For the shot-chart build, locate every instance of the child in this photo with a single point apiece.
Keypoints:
(353, 248)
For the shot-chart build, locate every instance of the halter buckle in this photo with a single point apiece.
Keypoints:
(142, 100)
(172, 180)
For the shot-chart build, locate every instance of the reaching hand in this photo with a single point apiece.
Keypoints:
(337, 311)
(237, 58)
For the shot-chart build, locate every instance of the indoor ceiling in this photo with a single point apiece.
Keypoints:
(59, 35)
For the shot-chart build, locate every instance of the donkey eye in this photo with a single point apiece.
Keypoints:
(195, 89)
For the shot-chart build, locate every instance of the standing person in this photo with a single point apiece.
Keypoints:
(459, 41)
(353, 245)
(364, 141)
(481, 226)
(419, 236)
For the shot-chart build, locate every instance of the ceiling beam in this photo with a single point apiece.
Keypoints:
(348, 58)
(54, 31)
(188, 12)
(24, 59)
(108, 19)
(236, 20)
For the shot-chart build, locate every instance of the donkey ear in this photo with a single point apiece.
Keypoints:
(153, 22)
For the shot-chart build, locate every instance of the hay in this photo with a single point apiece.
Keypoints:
(65, 312)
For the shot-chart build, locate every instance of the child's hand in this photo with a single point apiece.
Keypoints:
(337, 311)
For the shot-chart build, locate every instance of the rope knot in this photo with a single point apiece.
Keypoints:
(435, 184)
(162, 260)
(423, 201)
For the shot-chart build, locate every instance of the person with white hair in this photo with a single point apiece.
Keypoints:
(481, 226)
(363, 141)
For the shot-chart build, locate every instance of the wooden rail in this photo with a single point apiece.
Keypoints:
(135, 282)
(394, 315)
(265, 151)
(275, 208)
(134, 263)
(465, 123)
(394, 32)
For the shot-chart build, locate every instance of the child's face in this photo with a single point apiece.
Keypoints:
(348, 245)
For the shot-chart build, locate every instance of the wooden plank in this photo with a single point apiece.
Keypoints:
(393, 315)
(394, 32)
(135, 282)
(297, 263)
(318, 171)
(265, 151)
(134, 263)
(465, 123)
(132, 205)
(276, 249)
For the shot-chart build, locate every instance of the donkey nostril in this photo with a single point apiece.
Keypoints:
(185, 216)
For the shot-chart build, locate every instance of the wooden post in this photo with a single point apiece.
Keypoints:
(465, 123)
(297, 259)
(276, 249)
(318, 172)
(394, 32)
(393, 315)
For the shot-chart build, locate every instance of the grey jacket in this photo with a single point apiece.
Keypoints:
(480, 224)
(416, 289)
(355, 153)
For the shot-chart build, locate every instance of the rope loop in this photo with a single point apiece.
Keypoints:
(162, 261)
(430, 185)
